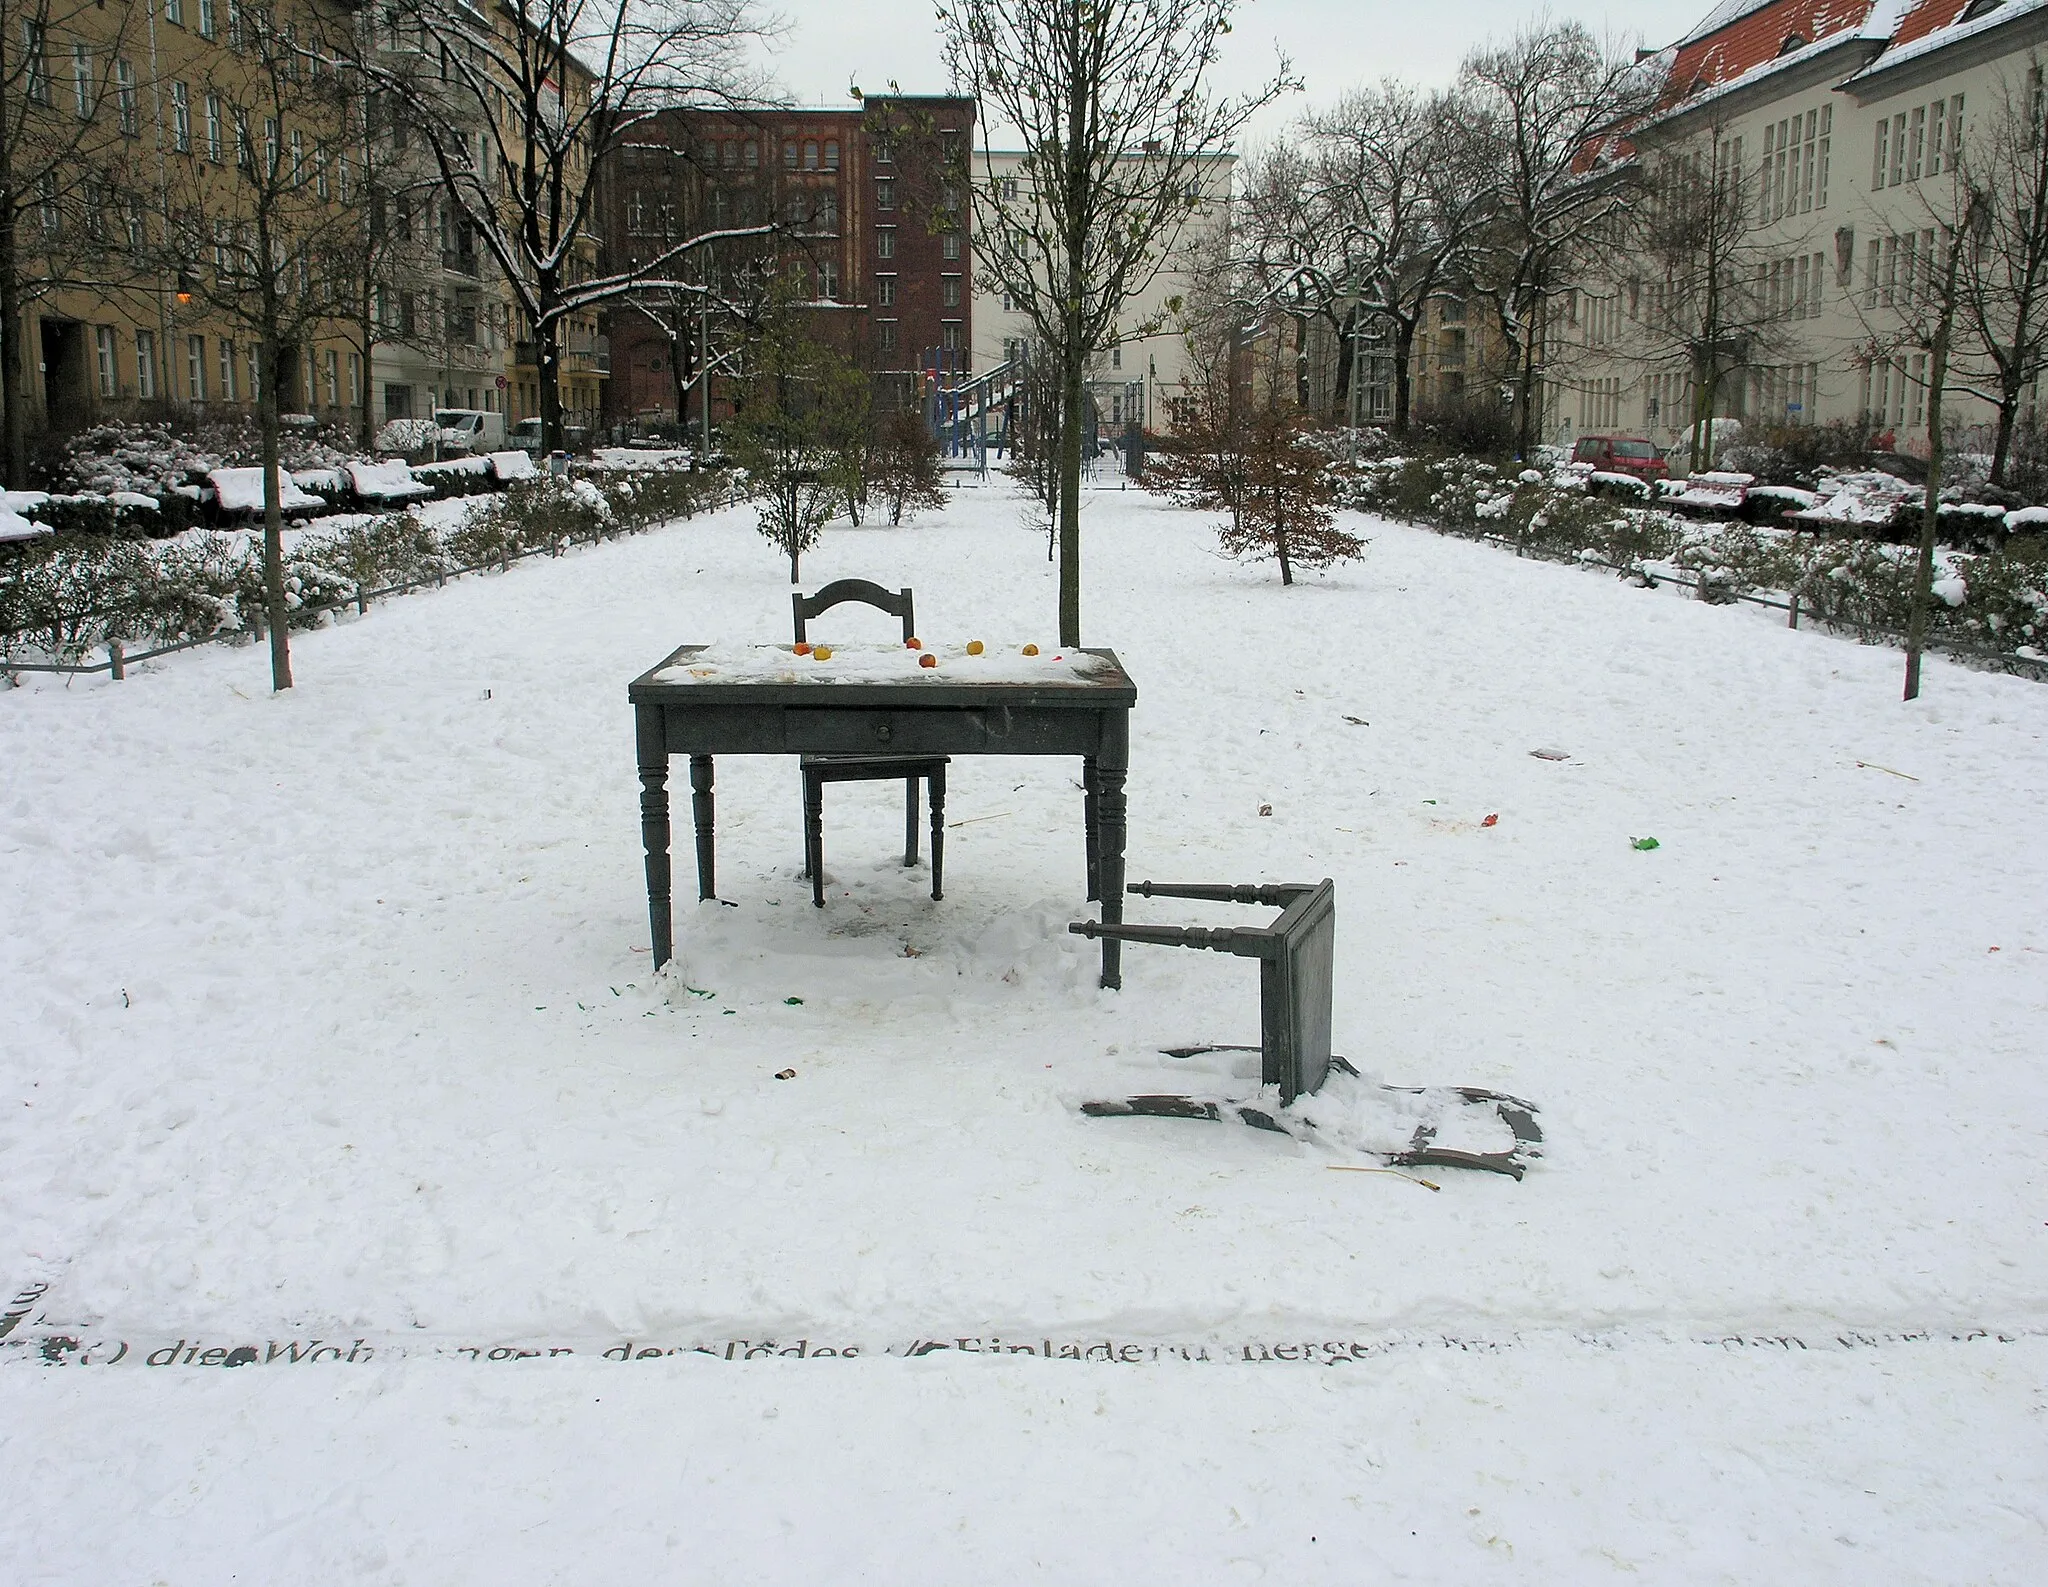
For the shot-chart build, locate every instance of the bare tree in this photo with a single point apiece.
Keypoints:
(1119, 131)
(1700, 309)
(2003, 283)
(523, 104)
(64, 124)
(1398, 190)
(264, 251)
(1545, 103)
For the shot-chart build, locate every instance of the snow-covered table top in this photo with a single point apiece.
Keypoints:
(999, 663)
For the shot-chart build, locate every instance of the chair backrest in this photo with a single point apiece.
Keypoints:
(1297, 984)
(896, 603)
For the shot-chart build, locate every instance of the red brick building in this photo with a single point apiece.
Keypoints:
(871, 211)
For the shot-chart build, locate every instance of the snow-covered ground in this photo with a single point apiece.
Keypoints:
(327, 1029)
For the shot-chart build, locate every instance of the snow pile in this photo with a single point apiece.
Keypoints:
(508, 466)
(15, 527)
(1860, 500)
(386, 482)
(999, 663)
(240, 490)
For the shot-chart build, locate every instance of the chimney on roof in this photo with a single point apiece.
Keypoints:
(1151, 145)
(1643, 55)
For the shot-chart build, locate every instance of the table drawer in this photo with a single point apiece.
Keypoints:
(885, 732)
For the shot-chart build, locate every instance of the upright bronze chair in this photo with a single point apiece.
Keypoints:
(818, 770)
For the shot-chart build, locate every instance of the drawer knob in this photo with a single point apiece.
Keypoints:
(882, 731)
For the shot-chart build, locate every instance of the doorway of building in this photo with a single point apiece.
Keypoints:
(67, 398)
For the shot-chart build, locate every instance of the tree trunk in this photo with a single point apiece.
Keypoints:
(547, 353)
(2001, 448)
(1280, 538)
(273, 522)
(1525, 394)
(1930, 519)
(366, 326)
(1404, 380)
(13, 365)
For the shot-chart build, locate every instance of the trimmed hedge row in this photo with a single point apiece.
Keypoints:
(66, 595)
(1996, 599)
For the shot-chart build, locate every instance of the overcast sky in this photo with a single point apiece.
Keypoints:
(1334, 44)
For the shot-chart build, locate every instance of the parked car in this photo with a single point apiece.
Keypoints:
(469, 430)
(526, 436)
(1621, 454)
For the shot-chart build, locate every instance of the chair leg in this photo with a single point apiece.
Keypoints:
(909, 821)
(814, 836)
(937, 782)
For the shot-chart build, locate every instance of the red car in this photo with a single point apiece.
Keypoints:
(1621, 454)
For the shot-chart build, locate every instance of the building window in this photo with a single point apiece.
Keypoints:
(355, 379)
(885, 151)
(949, 245)
(206, 28)
(828, 281)
(949, 336)
(227, 370)
(195, 367)
(789, 154)
(174, 12)
(124, 97)
(110, 377)
(213, 141)
(145, 364)
(331, 367)
(1116, 357)
(256, 375)
(885, 193)
(831, 154)
(949, 292)
(729, 152)
(751, 155)
(35, 64)
(298, 158)
(885, 243)
(81, 80)
(1009, 188)
(885, 336)
(810, 154)
(885, 291)
(181, 118)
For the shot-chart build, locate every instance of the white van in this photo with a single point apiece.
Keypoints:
(470, 430)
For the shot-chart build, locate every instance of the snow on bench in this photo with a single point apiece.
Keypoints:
(386, 482)
(508, 466)
(241, 490)
(15, 527)
(320, 481)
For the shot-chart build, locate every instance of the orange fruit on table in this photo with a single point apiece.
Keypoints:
(927, 660)
(973, 647)
(1030, 650)
(913, 643)
(801, 649)
(822, 653)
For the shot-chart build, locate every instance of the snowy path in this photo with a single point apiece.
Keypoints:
(331, 1014)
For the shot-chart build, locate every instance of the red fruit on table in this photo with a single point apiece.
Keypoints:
(927, 660)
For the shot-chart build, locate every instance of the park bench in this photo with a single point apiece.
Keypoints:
(1297, 966)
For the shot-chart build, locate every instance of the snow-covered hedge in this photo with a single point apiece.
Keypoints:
(1990, 598)
(64, 595)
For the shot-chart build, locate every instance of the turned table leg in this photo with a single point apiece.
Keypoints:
(654, 828)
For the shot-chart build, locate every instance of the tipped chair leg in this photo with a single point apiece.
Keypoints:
(937, 781)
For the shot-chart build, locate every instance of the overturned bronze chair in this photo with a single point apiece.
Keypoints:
(1297, 958)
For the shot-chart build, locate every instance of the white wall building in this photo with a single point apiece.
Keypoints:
(1846, 120)
(1136, 380)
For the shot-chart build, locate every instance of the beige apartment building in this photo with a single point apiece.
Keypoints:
(151, 109)
(1842, 125)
